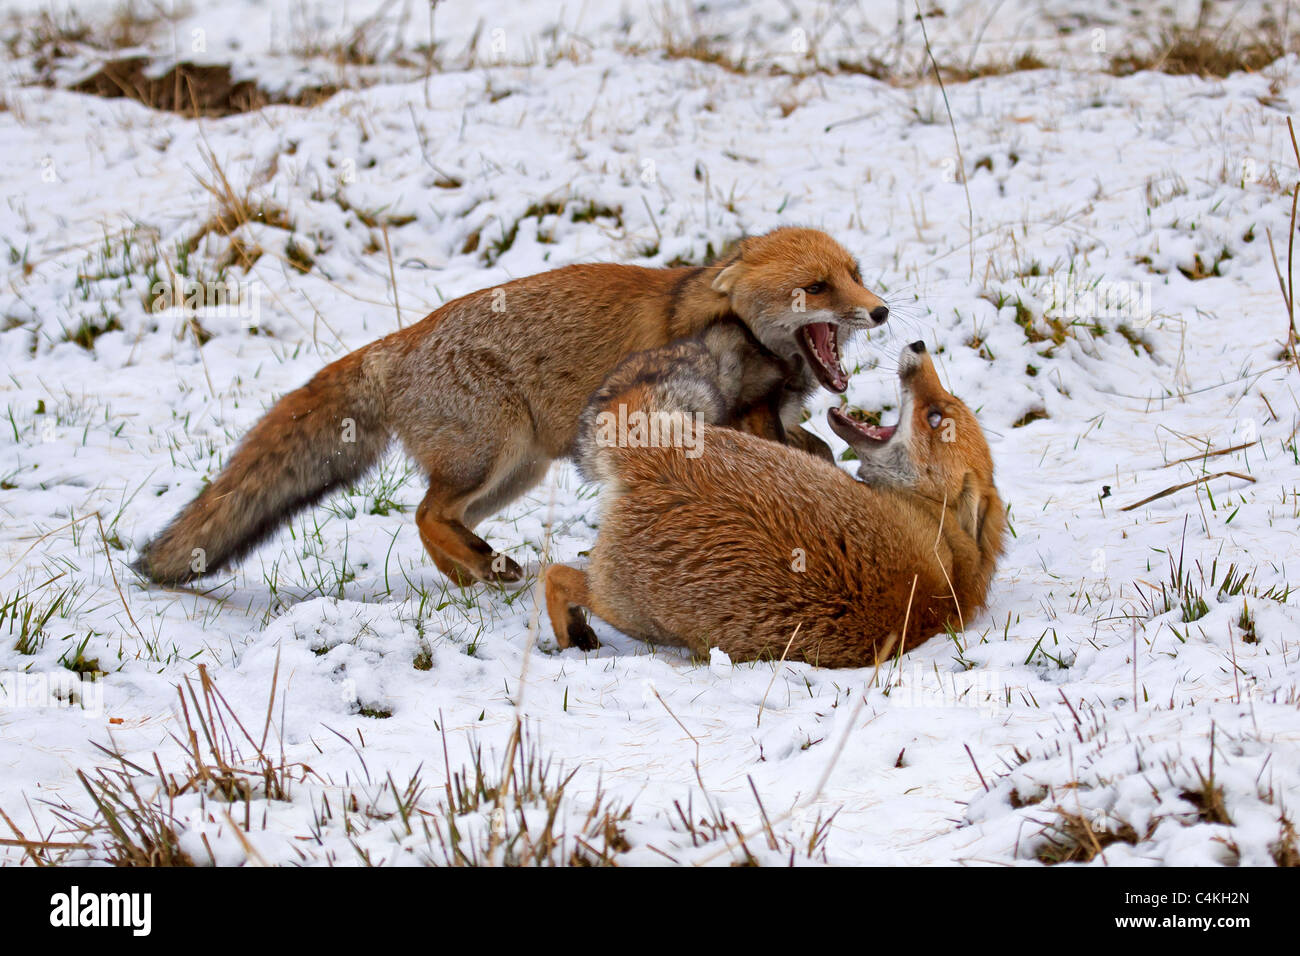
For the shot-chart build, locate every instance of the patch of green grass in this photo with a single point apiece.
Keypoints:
(1057, 331)
(1185, 590)
(548, 207)
(1246, 624)
(27, 619)
(499, 247)
(298, 256)
(1029, 417)
(87, 332)
(78, 662)
(593, 211)
(1135, 339)
(388, 481)
(1200, 270)
(1192, 606)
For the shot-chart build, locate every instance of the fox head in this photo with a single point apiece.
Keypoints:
(802, 296)
(936, 450)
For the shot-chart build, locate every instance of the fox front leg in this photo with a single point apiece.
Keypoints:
(762, 420)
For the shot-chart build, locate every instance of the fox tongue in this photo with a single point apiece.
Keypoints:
(820, 337)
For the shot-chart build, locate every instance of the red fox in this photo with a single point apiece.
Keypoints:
(762, 551)
(486, 391)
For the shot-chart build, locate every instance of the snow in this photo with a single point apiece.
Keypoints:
(1076, 684)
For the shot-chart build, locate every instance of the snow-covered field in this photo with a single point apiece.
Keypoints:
(1100, 289)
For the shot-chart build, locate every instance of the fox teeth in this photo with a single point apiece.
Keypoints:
(833, 358)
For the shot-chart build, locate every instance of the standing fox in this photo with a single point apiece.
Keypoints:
(486, 391)
(762, 551)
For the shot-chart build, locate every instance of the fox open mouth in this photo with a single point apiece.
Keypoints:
(877, 434)
(819, 345)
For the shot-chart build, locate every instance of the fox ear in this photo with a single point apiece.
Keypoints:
(725, 279)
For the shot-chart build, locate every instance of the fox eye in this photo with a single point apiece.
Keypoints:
(935, 418)
(816, 288)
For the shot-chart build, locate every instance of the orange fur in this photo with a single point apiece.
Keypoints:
(739, 547)
(486, 391)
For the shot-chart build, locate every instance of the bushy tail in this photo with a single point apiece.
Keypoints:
(324, 435)
(651, 398)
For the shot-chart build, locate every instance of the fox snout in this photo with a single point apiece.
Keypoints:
(911, 360)
(935, 448)
(871, 317)
(857, 307)
(867, 440)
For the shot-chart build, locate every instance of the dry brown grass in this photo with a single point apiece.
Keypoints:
(234, 209)
(51, 35)
(1207, 796)
(392, 39)
(1201, 51)
(131, 822)
(190, 89)
(529, 782)
(1019, 63)
(1286, 850)
(1073, 838)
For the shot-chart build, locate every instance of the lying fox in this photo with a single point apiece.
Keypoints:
(761, 551)
(486, 391)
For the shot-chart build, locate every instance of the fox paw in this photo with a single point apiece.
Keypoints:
(581, 635)
(503, 570)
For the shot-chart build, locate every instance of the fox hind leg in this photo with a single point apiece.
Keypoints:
(566, 596)
(463, 489)
(458, 552)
